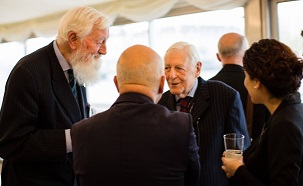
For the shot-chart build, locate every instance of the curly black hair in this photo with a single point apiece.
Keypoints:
(275, 65)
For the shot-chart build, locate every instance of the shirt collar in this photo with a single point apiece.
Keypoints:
(63, 63)
(191, 93)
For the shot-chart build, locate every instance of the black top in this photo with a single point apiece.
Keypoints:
(276, 157)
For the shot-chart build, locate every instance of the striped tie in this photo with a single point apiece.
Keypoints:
(72, 82)
(184, 102)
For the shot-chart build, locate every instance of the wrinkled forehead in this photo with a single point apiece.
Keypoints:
(177, 56)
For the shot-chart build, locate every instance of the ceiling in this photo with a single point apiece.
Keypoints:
(22, 19)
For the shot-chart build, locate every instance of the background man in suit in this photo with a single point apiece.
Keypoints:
(216, 108)
(136, 142)
(231, 49)
(39, 106)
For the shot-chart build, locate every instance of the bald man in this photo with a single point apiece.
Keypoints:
(136, 142)
(231, 49)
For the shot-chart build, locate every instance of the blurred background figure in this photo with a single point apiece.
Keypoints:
(231, 49)
(273, 75)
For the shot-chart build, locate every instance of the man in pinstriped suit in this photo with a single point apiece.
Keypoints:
(39, 107)
(216, 109)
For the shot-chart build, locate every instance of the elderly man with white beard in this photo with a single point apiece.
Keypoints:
(42, 101)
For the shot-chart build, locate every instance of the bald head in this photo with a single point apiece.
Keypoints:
(139, 67)
(232, 45)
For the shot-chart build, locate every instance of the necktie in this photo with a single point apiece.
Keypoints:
(72, 82)
(184, 102)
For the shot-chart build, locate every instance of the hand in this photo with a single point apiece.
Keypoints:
(230, 166)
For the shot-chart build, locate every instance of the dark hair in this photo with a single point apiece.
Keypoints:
(275, 65)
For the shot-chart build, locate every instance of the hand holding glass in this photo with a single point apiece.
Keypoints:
(233, 145)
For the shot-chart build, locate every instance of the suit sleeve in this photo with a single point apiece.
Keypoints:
(193, 173)
(22, 135)
(236, 119)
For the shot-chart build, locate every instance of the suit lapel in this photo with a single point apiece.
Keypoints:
(82, 101)
(200, 103)
(66, 99)
(62, 89)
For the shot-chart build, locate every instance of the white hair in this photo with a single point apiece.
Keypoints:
(81, 20)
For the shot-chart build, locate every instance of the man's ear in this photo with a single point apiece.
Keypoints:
(161, 86)
(116, 83)
(161, 89)
(198, 68)
(218, 57)
(72, 39)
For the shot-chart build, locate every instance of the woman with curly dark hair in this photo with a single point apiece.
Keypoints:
(273, 76)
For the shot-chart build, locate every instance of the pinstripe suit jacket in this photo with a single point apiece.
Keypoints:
(233, 75)
(38, 105)
(216, 109)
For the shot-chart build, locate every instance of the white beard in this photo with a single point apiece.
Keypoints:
(86, 67)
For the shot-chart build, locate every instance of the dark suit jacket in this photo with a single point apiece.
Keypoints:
(38, 105)
(233, 75)
(276, 157)
(216, 109)
(135, 143)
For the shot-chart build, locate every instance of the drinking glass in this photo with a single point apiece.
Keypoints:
(233, 145)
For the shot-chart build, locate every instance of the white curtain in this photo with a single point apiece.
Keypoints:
(135, 10)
